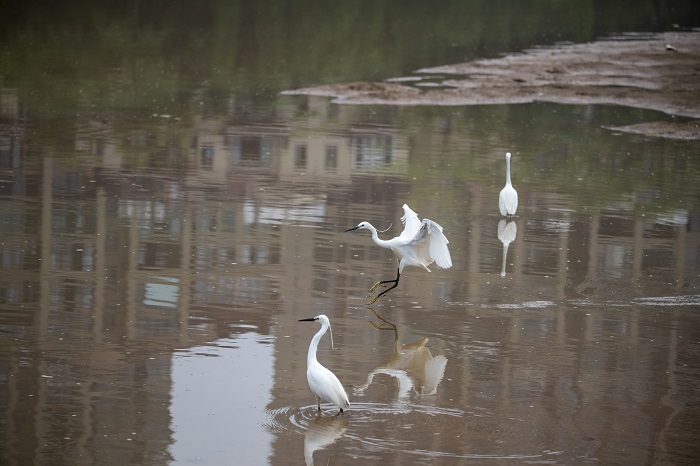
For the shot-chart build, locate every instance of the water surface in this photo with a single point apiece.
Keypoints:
(156, 255)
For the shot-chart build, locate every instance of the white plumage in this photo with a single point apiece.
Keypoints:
(420, 244)
(322, 382)
(508, 197)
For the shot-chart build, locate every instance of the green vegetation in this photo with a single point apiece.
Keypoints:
(154, 54)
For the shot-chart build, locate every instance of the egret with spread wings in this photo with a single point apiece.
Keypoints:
(420, 244)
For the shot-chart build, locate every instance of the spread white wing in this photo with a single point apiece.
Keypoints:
(431, 245)
(411, 223)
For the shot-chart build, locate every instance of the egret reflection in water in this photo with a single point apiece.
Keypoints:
(322, 432)
(411, 364)
(507, 230)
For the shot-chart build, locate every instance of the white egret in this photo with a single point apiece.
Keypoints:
(508, 198)
(322, 382)
(419, 245)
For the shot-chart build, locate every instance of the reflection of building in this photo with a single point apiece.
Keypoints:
(65, 288)
(108, 266)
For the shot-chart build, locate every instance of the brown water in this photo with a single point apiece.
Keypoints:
(149, 314)
(166, 218)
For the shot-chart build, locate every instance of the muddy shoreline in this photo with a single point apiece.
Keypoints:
(657, 72)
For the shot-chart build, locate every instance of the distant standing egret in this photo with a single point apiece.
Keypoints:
(322, 382)
(419, 245)
(508, 198)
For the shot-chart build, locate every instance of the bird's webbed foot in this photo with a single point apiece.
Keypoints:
(376, 285)
(373, 300)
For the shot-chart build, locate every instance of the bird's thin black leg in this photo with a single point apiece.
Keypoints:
(395, 282)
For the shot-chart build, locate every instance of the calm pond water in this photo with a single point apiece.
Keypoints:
(163, 232)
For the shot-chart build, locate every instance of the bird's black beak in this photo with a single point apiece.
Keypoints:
(353, 228)
(310, 319)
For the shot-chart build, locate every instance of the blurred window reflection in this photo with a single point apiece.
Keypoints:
(300, 156)
(70, 256)
(11, 259)
(657, 257)
(255, 254)
(158, 254)
(161, 294)
(10, 222)
(373, 150)
(331, 157)
(250, 150)
(228, 221)
(207, 157)
(275, 215)
(615, 259)
(612, 227)
(205, 222)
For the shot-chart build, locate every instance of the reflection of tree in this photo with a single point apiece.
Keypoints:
(148, 53)
(411, 364)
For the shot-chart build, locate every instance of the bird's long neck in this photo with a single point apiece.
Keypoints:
(508, 169)
(375, 237)
(311, 357)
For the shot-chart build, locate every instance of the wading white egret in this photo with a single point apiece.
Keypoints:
(508, 198)
(419, 245)
(322, 382)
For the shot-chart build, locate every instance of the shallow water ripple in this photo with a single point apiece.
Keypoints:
(373, 430)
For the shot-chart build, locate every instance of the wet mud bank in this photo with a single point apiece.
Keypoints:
(656, 72)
